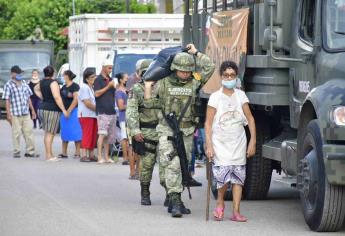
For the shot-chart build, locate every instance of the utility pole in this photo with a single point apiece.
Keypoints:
(187, 26)
(127, 6)
(73, 7)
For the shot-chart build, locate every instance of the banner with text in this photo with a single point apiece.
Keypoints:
(227, 41)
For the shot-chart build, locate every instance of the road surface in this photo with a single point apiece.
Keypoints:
(73, 198)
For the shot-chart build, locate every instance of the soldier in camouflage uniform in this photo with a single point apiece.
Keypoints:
(174, 92)
(142, 124)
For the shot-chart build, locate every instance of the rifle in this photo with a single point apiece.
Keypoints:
(180, 150)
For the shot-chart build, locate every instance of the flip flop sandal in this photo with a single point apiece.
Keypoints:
(62, 156)
(85, 159)
(238, 218)
(16, 155)
(218, 214)
(101, 162)
(125, 163)
(110, 161)
(53, 159)
(93, 159)
(76, 156)
(132, 177)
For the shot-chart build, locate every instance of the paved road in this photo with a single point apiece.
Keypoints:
(73, 198)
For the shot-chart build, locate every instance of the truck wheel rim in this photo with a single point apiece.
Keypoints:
(309, 179)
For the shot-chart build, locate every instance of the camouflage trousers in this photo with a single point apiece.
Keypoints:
(170, 169)
(148, 160)
(147, 163)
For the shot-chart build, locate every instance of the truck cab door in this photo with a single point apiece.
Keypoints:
(302, 75)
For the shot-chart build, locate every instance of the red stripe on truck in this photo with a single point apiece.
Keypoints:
(104, 31)
(104, 39)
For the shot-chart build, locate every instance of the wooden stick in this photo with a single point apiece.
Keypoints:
(208, 169)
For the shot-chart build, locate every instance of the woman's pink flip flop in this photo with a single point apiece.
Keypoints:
(238, 218)
(218, 213)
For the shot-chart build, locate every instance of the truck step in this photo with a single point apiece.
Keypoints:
(272, 150)
(291, 181)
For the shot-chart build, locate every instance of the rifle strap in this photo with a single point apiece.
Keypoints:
(184, 110)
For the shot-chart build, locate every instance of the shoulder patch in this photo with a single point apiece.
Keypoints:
(197, 76)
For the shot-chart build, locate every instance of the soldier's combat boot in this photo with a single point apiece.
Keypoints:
(184, 210)
(194, 183)
(175, 204)
(145, 194)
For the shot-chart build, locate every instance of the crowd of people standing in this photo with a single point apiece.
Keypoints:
(102, 111)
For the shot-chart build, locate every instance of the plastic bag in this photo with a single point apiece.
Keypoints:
(160, 67)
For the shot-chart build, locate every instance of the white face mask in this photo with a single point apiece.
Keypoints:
(229, 84)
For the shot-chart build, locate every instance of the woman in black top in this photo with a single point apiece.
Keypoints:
(70, 126)
(50, 109)
(34, 99)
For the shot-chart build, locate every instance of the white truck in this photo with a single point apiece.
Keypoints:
(128, 37)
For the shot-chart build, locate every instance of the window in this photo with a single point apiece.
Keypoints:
(307, 20)
(126, 62)
(25, 59)
(334, 24)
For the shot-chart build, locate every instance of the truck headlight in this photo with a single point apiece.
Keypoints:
(339, 115)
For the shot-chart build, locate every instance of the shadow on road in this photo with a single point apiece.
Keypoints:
(282, 192)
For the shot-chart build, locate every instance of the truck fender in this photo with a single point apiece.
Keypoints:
(320, 103)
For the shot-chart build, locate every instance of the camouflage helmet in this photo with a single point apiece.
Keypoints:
(137, 65)
(183, 62)
(144, 65)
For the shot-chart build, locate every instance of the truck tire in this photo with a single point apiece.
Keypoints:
(259, 169)
(322, 203)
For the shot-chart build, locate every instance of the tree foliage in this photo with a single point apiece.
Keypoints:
(19, 18)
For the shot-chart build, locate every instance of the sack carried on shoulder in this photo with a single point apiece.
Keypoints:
(160, 67)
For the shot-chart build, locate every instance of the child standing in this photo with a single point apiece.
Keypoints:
(226, 143)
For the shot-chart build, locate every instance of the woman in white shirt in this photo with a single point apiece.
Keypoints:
(226, 143)
(87, 116)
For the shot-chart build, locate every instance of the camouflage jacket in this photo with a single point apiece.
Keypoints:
(173, 95)
(136, 113)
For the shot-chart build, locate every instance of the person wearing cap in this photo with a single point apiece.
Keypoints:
(142, 123)
(104, 87)
(17, 95)
(134, 78)
(177, 94)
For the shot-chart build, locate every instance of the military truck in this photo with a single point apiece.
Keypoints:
(28, 54)
(294, 77)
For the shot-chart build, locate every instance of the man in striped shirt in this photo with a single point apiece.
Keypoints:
(17, 95)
